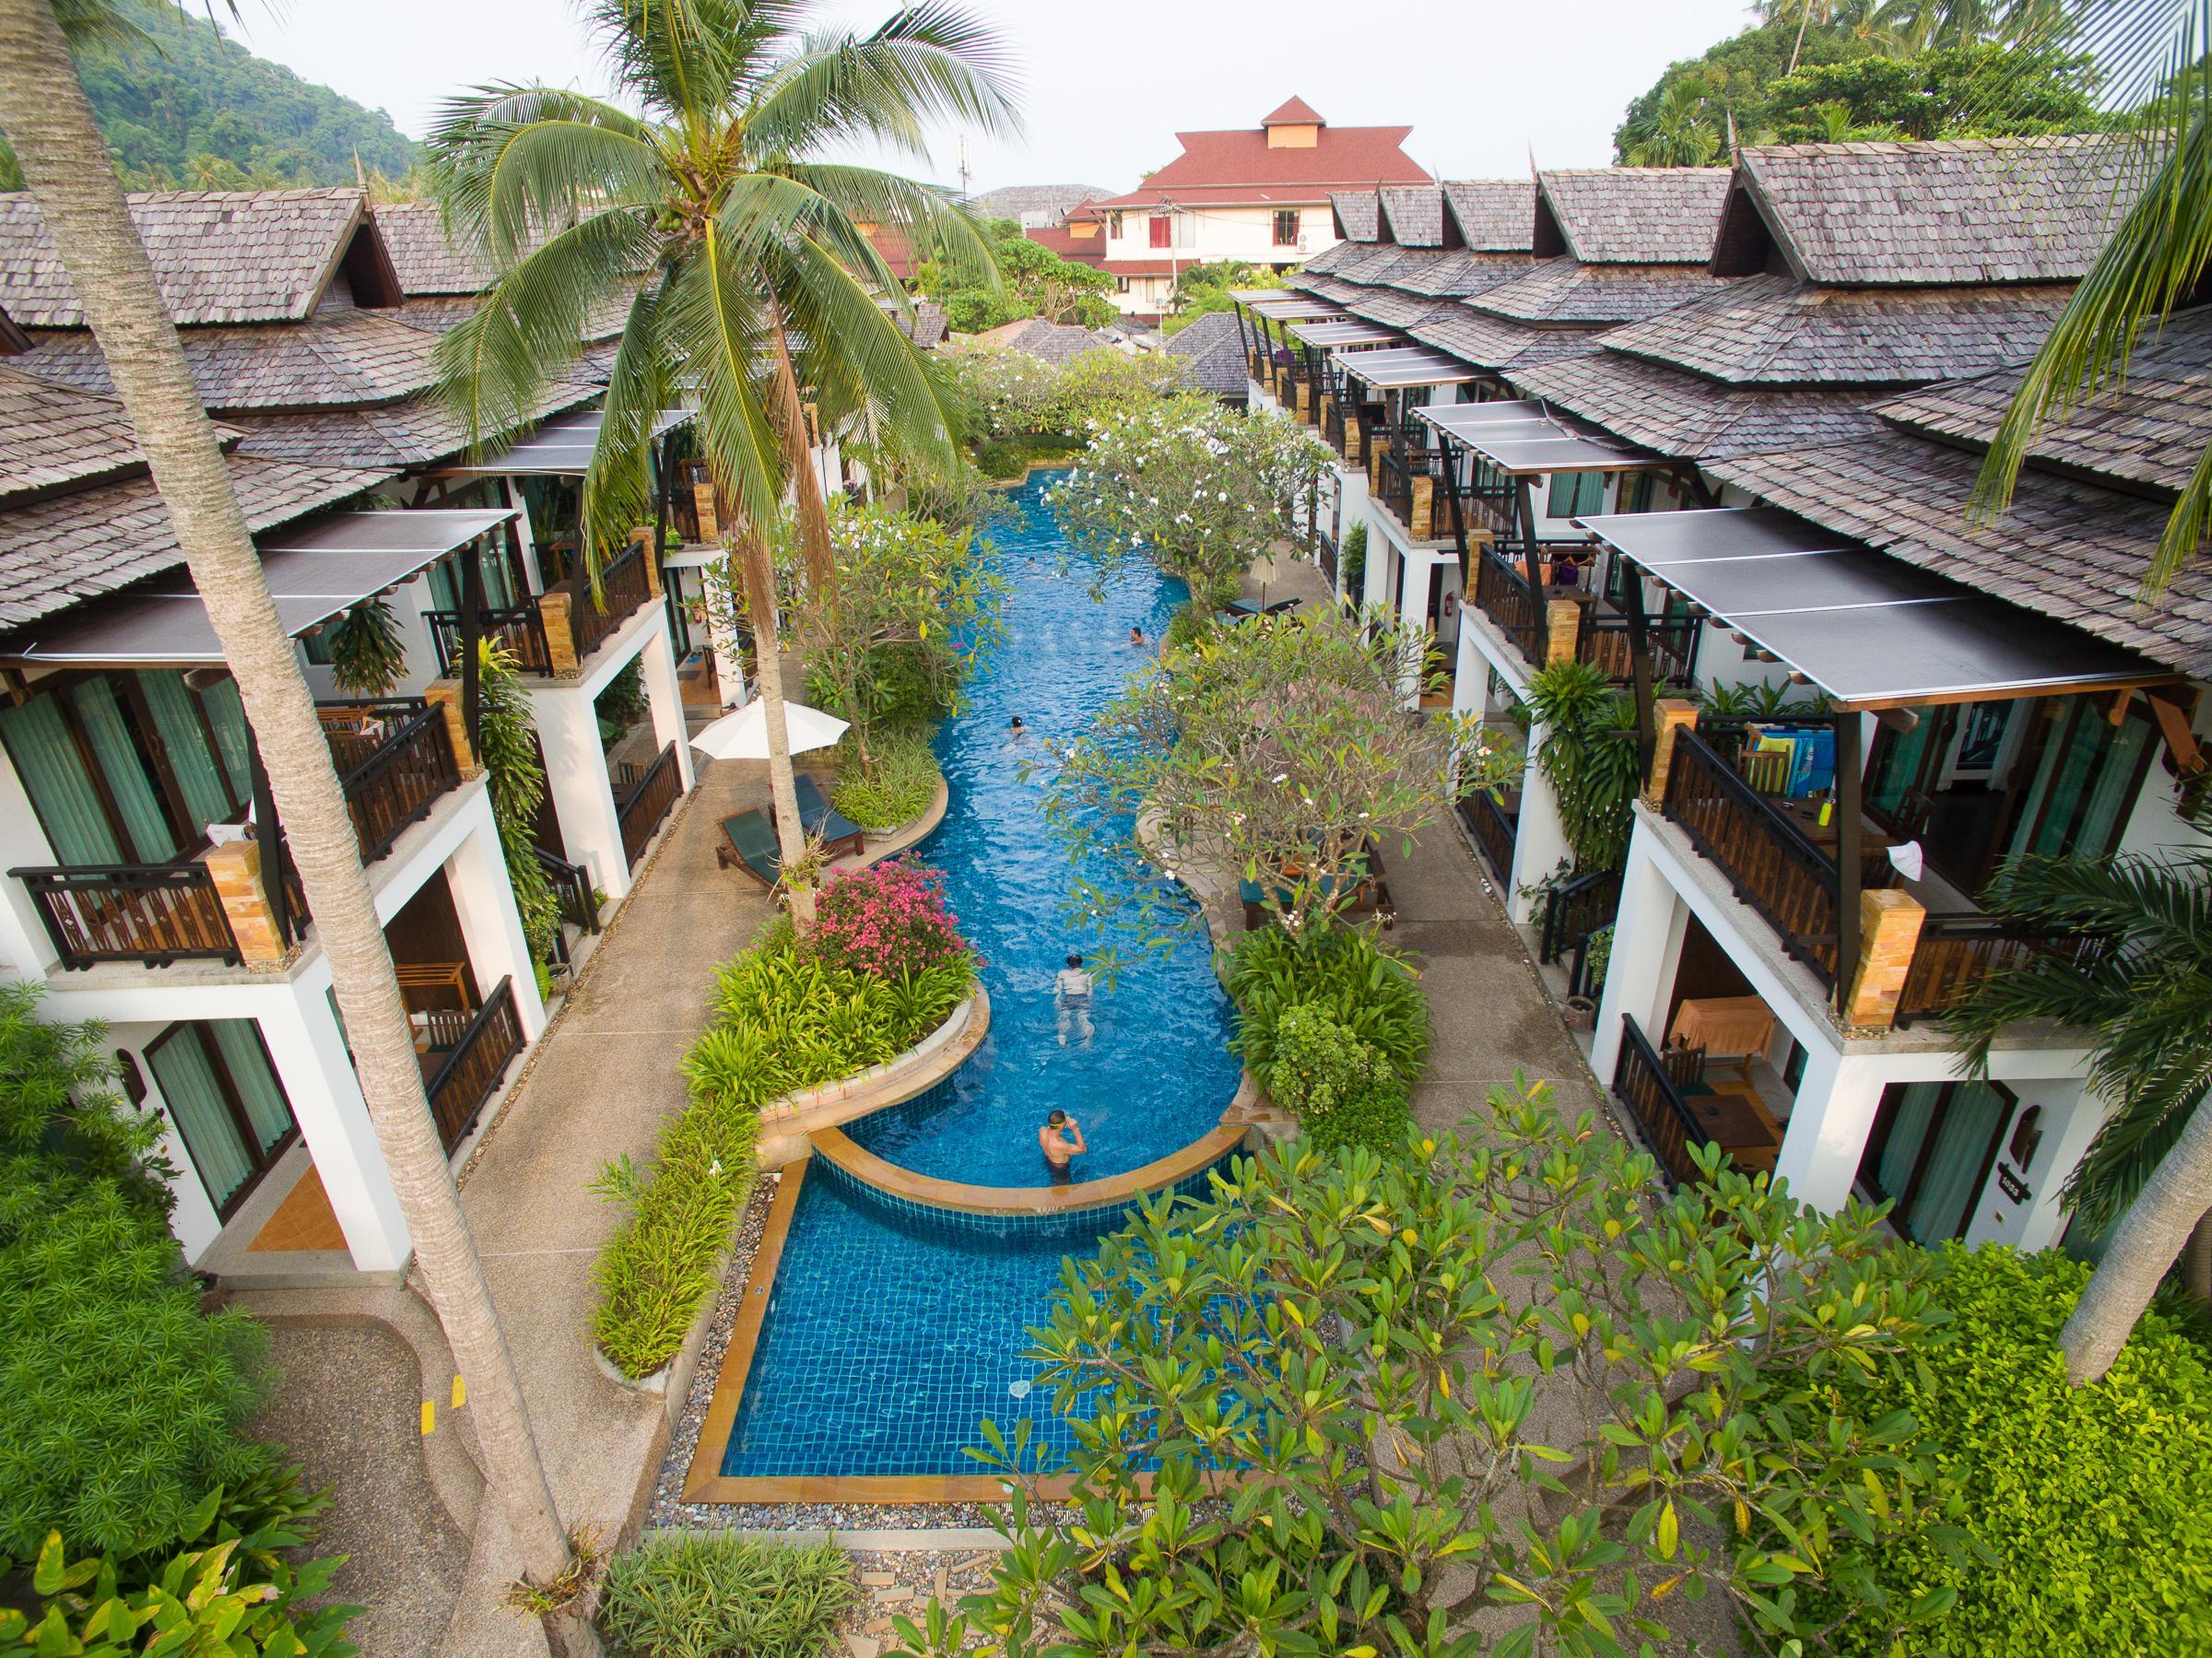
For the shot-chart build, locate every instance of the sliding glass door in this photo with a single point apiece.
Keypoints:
(1930, 1153)
(224, 1096)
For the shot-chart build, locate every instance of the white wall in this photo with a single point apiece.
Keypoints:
(1205, 233)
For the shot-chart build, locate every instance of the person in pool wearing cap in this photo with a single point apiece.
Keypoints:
(1061, 1139)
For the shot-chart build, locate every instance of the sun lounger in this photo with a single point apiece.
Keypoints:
(823, 821)
(748, 843)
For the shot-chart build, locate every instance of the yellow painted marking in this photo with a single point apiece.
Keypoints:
(460, 1392)
(429, 1417)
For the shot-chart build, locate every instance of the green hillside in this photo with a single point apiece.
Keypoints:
(188, 108)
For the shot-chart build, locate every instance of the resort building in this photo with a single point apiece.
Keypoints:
(147, 884)
(1720, 442)
(1259, 195)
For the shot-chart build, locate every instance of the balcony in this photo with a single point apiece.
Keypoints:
(1603, 640)
(1502, 594)
(556, 631)
(465, 1055)
(643, 801)
(1406, 480)
(394, 759)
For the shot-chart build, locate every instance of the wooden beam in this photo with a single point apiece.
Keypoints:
(2181, 741)
(1849, 788)
(1640, 669)
(1526, 504)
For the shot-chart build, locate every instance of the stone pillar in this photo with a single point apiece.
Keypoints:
(308, 1051)
(1674, 713)
(235, 867)
(445, 696)
(702, 503)
(1423, 527)
(1828, 1123)
(1562, 629)
(560, 638)
(1353, 433)
(1889, 920)
(641, 538)
(1374, 468)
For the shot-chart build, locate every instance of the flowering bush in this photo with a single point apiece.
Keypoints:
(1014, 395)
(888, 919)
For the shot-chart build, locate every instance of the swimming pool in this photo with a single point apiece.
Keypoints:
(893, 1331)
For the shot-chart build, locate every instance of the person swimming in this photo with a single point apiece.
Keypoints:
(1061, 1139)
(1137, 638)
(1071, 990)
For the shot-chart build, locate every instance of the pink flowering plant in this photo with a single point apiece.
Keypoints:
(887, 920)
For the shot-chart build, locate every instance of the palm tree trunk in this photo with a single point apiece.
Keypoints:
(791, 421)
(65, 161)
(791, 837)
(2151, 1235)
(2196, 1260)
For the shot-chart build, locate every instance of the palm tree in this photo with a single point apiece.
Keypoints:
(2154, 262)
(742, 253)
(65, 166)
(2145, 1000)
(1682, 133)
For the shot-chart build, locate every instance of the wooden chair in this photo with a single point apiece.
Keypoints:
(1766, 770)
(748, 843)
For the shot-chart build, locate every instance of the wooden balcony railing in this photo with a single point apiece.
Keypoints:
(1325, 544)
(1493, 825)
(394, 759)
(1577, 908)
(154, 914)
(577, 898)
(1502, 594)
(1788, 880)
(647, 802)
(1642, 1082)
(1332, 424)
(624, 584)
(520, 628)
(1957, 951)
(471, 1067)
(1604, 642)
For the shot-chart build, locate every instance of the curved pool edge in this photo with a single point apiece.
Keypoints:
(787, 1122)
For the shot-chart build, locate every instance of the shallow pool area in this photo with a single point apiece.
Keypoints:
(892, 1330)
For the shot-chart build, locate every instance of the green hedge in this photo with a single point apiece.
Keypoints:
(782, 1022)
(2094, 1504)
(898, 785)
(722, 1595)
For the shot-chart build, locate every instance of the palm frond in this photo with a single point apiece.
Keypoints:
(507, 184)
(718, 329)
(618, 491)
(932, 61)
(936, 227)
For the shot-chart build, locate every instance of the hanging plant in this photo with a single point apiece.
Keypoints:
(367, 653)
(516, 777)
(1589, 757)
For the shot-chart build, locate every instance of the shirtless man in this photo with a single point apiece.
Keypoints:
(1071, 993)
(1061, 1139)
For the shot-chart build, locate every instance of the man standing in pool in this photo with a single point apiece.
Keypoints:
(1061, 1139)
(1071, 989)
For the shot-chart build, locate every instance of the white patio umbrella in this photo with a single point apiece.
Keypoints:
(744, 735)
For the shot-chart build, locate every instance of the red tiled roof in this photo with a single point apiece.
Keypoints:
(1090, 250)
(895, 250)
(1297, 112)
(1224, 167)
(1146, 267)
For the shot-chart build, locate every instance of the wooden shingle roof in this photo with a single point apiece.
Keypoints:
(1494, 215)
(2068, 549)
(1413, 214)
(60, 551)
(1949, 211)
(1773, 330)
(218, 256)
(1333, 256)
(60, 439)
(1358, 214)
(1566, 290)
(1460, 273)
(1489, 342)
(1689, 419)
(1389, 307)
(337, 359)
(421, 431)
(2149, 433)
(1629, 215)
(427, 260)
(1214, 349)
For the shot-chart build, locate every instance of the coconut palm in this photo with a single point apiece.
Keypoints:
(2146, 1002)
(741, 251)
(2154, 263)
(66, 167)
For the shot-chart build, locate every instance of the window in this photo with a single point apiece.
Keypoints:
(1286, 227)
(1159, 227)
(1574, 493)
(224, 1096)
(1931, 1149)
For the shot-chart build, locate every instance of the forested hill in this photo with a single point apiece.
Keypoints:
(188, 108)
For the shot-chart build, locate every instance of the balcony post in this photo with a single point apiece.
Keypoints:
(1526, 507)
(553, 608)
(472, 650)
(1562, 629)
(445, 695)
(1640, 660)
(1421, 523)
(1890, 922)
(1849, 783)
(268, 836)
(235, 868)
(1674, 713)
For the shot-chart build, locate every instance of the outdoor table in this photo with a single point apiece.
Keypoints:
(1732, 1122)
(1724, 1024)
(1804, 816)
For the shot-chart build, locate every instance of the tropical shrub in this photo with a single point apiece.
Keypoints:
(1341, 1089)
(721, 1594)
(367, 651)
(887, 920)
(785, 1019)
(124, 1403)
(1364, 988)
(1187, 624)
(895, 786)
(2087, 1506)
(1351, 561)
(1589, 757)
(236, 1587)
(1489, 1395)
(515, 777)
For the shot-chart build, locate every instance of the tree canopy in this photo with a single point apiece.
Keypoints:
(1034, 282)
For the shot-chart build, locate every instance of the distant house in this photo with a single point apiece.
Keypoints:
(1213, 347)
(1260, 195)
(1034, 207)
(1052, 342)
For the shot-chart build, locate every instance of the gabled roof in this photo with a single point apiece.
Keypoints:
(1239, 165)
(1088, 250)
(338, 360)
(1948, 211)
(1413, 214)
(1215, 350)
(1053, 342)
(1460, 273)
(1336, 253)
(2148, 434)
(421, 431)
(2065, 548)
(1357, 214)
(60, 439)
(218, 256)
(1494, 215)
(426, 258)
(1774, 330)
(1689, 419)
(1493, 342)
(1390, 307)
(57, 552)
(1297, 111)
(1629, 215)
(1567, 291)
(1011, 201)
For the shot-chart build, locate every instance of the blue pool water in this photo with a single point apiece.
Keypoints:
(1157, 1071)
(893, 1331)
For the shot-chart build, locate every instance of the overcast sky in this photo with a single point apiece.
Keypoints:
(1482, 83)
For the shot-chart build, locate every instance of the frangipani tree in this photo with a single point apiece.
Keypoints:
(740, 249)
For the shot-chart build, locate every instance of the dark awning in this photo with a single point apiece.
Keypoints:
(1297, 308)
(316, 571)
(1412, 366)
(1522, 438)
(1333, 336)
(1867, 629)
(561, 447)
